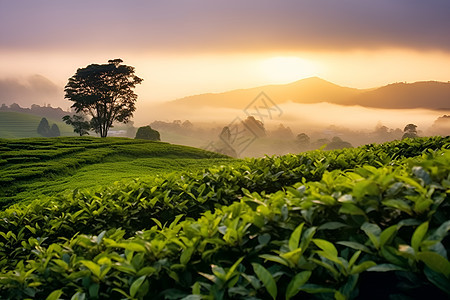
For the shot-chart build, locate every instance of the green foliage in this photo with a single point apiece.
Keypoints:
(147, 133)
(80, 125)
(318, 225)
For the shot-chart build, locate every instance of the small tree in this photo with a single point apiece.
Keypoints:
(147, 133)
(410, 131)
(44, 128)
(337, 143)
(303, 141)
(54, 131)
(79, 124)
(255, 126)
(105, 92)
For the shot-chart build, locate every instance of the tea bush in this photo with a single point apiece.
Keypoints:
(370, 222)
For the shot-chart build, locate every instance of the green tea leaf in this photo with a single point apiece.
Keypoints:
(355, 245)
(362, 267)
(294, 240)
(230, 272)
(418, 236)
(441, 232)
(134, 288)
(399, 204)
(316, 289)
(266, 278)
(373, 232)
(387, 234)
(351, 209)
(438, 280)
(275, 258)
(332, 226)
(435, 262)
(186, 255)
(92, 266)
(296, 283)
(78, 296)
(326, 246)
(54, 295)
(385, 268)
(93, 290)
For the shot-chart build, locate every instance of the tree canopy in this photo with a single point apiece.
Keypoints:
(105, 92)
(410, 131)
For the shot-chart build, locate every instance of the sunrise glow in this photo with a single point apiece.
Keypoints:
(282, 69)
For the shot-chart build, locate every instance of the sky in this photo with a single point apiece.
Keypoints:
(188, 47)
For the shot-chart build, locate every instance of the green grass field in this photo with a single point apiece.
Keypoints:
(31, 168)
(20, 125)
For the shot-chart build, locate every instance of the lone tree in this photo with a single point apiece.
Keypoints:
(410, 131)
(105, 92)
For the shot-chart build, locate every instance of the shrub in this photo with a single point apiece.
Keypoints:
(147, 133)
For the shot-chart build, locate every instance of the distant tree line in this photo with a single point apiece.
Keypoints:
(43, 111)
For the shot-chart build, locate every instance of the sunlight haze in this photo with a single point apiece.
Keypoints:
(187, 48)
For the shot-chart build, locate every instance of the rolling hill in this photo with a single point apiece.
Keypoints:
(430, 95)
(424, 94)
(33, 167)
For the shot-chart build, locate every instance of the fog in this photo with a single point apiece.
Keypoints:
(322, 123)
(34, 89)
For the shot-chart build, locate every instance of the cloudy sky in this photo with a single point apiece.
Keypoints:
(188, 47)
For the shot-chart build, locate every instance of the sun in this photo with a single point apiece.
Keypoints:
(284, 69)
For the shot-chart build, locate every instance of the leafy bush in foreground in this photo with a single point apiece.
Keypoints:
(318, 225)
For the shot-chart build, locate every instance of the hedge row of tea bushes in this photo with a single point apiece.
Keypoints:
(368, 222)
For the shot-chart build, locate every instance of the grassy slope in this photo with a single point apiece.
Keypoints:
(46, 166)
(20, 125)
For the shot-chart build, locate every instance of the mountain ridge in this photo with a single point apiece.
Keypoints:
(433, 95)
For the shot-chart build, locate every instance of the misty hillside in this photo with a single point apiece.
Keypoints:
(424, 94)
(309, 90)
(431, 95)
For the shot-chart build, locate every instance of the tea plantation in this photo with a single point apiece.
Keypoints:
(39, 166)
(364, 223)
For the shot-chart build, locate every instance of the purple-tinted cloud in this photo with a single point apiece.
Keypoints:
(193, 25)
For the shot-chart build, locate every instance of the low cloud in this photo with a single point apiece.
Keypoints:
(299, 117)
(35, 89)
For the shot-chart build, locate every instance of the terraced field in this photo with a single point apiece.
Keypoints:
(31, 167)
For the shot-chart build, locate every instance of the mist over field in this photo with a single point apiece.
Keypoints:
(320, 121)
(300, 117)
